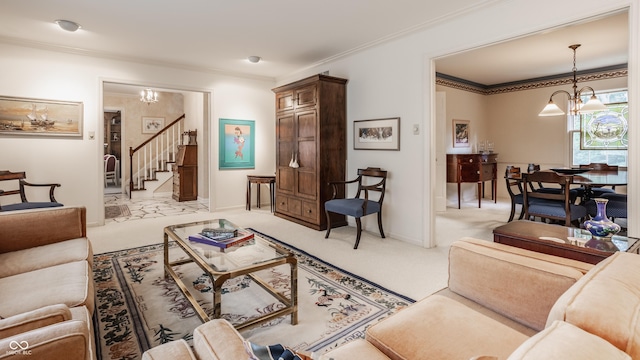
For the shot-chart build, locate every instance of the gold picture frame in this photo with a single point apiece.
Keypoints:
(40, 117)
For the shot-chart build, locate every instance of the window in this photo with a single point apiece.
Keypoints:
(612, 147)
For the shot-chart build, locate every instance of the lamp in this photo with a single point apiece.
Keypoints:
(148, 96)
(254, 59)
(575, 100)
(68, 25)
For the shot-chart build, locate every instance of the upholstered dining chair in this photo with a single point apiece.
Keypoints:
(513, 179)
(10, 179)
(110, 171)
(360, 205)
(616, 206)
(553, 206)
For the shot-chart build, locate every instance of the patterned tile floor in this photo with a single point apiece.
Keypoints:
(152, 207)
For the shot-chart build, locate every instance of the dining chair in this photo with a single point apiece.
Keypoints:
(599, 191)
(616, 206)
(552, 206)
(15, 183)
(110, 169)
(540, 187)
(513, 179)
(357, 206)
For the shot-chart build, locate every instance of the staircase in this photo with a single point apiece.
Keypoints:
(150, 162)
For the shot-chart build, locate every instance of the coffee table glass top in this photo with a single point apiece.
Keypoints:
(249, 253)
(583, 238)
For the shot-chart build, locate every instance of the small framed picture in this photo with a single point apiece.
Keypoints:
(151, 125)
(236, 144)
(377, 134)
(460, 133)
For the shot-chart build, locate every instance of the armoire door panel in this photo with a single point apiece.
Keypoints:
(307, 185)
(285, 125)
(284, 152)
(285, 180)
(284, 101)
(307, 155)
(307, 124)
(305, 96)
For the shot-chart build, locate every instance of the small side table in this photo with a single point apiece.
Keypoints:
(261, 179)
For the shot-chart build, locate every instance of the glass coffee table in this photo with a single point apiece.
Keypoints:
(220, 265)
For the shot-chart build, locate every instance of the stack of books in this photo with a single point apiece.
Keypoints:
(222, 238)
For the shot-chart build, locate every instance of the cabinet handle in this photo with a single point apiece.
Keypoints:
(470, 160)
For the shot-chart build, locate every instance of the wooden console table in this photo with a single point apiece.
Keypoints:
(473, 168)
(261, 179)
(566, 242)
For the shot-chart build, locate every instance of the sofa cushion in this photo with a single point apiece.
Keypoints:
(431, 329)
(218, 340)
(606, 302)
(503, 281)
(67, 340)
(178, 349)
(70, 284)
(562, 340)
(21, 261)
(356, 349)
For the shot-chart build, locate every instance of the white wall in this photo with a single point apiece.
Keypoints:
(75, 162)
(397, 79)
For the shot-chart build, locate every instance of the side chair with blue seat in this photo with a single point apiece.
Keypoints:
(8, 177)
(599, 191)
(513, 177)
(616, 206)
(553, 206)
(357, 206)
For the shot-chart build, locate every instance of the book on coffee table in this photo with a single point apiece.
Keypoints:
(223, 241)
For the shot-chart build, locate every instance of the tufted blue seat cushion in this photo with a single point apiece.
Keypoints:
(542, 207)
(616, 207)
(29, 205)
(351, 207)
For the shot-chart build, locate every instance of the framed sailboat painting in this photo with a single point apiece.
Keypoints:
(25, 116)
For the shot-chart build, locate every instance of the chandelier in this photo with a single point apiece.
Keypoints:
(575, 101)
(148, 96)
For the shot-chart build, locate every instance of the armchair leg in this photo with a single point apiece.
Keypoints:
(359, 229)
(326, 235)
(380, 224)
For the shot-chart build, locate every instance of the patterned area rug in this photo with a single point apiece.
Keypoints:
(114, 211)
(137, 308)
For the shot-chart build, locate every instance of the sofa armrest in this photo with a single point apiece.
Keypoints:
(174, 350)
(30, 228)
(520, 287)
(35, 319)
(68, 340)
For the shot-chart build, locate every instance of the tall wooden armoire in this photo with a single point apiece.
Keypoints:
(311, 150)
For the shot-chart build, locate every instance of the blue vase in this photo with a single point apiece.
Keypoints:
(600, 226)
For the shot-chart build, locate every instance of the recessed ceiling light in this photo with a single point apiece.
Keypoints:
(68, 25)
(254, 59)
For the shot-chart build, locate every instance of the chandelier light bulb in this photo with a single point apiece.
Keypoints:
(148, 96)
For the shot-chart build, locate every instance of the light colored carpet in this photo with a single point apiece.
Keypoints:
(401, 267)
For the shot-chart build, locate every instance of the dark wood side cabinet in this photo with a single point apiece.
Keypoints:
(311, 145)
(185, 173)
(473, 168)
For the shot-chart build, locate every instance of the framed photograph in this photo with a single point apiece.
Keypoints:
(460, 133)
(25, 116)
(236, 144)
(377, 134)
(607, 129)
(151, 125)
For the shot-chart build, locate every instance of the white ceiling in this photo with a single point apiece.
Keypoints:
(291, 35)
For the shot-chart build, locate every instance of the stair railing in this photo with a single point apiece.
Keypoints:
(159, 149)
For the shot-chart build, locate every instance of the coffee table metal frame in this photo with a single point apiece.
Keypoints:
(219, 277)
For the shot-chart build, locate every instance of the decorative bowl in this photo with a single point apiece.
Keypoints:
(571, 171)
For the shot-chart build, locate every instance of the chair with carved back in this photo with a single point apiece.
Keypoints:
(513, 178)
(15, 181)
(550, 205)
(360, 205)
(599, 191)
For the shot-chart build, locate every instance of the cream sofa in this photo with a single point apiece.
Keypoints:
(502, 302)
(46, 285)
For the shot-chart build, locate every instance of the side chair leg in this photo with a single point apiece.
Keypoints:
(513, 212)
(359, 230)
(380, 224)
(328, 225)
(521, 213)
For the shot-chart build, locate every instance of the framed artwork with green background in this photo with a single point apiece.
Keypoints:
(236, 144)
